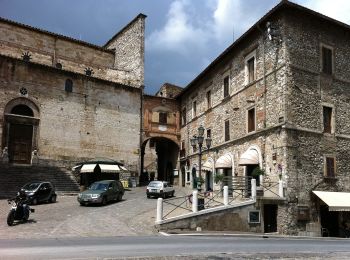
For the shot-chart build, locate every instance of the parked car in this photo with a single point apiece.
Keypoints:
(40, 191)
(101, 192)
(160, 189)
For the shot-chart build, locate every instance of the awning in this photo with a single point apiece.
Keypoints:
(113, 168)
(249, 157)
(207, 166)
(224, 161)
(109, 168)
(336, 201)
(88, 168)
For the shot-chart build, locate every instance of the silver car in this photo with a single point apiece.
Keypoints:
(160, 189)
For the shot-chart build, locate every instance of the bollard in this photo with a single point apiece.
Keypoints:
(280, 188)
(253, 189)
(195, 201)
(159, 210)
(225, 195)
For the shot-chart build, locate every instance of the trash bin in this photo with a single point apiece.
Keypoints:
(200, 204)
(132, 182)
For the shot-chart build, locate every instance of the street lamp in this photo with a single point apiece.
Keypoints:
(198, 140)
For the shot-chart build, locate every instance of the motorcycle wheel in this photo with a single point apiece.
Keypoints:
(10, 218)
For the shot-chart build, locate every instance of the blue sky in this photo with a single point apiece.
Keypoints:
(182, 36)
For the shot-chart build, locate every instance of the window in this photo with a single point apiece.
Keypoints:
(208, 99)
(251, 69)
(188, 176)
(226, 86)
(327, 119)
(227, 130)
(68, 87)
(183, 116)
(163, 118)
(254, 216)
(194, 109)
(330, 167)
(208, 133)
(182, 151)
(327, 60)
(251, 120)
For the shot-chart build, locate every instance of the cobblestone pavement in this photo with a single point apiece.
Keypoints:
(133, 216)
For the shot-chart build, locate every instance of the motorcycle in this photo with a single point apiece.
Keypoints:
(20, 210)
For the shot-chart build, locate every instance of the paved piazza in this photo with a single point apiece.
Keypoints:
(133, 216)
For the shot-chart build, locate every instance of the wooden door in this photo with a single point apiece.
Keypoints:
(270, 218)
(20, 143)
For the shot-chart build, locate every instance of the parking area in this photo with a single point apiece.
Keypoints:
(133, 216)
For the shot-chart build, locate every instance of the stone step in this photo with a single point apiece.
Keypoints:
(12, 178)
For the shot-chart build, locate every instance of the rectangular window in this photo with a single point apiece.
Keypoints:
(330, 167)
(182, 151)
(327, 119)
(251, 69)
(208, 99)
(251, 120)
(327, 60)
(226, 86)
(194, 109)
(163, 118)
(188, 176)
(227, 130)
(208, 133)
(183, 116)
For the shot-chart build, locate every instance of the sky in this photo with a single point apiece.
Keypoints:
(182, 36)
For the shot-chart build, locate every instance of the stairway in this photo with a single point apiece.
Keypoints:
(12, 178)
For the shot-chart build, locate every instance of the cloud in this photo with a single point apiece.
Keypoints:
(179, 31)
(336, 9)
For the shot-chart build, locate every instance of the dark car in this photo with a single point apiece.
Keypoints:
(40, 191)
(101, 192)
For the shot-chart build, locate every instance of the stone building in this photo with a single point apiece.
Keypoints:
(277, 100)
(65, 101)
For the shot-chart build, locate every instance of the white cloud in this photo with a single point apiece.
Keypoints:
(179, 31)
(336, 9)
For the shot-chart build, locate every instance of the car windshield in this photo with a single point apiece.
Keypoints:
(155, 184)
(31, 186)
(98, 186)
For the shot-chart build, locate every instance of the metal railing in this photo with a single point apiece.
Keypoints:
(205, 200)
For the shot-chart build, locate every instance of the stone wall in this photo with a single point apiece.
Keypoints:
(97, 119)
(50, 49)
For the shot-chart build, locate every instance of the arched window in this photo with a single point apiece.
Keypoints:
(69, 85)
(22, 110)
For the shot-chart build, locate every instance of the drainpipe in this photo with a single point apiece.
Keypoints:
(142, 87)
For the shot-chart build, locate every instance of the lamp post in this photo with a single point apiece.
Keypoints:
(198, 140)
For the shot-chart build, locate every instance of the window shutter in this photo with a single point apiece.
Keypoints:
(227, 130)
(251, 71)
(327, 119)
(330, 165)
(251, 120)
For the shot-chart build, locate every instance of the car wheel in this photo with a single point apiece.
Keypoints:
(148, 196)
(164, 195)
(120, 197)
(82, 204)
(34, 201)
(172, 193)
(104, 201)
(53, 198)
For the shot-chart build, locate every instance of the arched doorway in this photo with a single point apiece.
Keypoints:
(159, 160)
(20, 130)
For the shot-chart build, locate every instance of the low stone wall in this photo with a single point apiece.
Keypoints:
(226, 219)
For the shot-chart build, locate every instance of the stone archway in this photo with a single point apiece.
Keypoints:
(164, 160)
(21, 120)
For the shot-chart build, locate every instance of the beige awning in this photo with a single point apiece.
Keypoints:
(104, 168)
(223, 162)
(336, 201)
(88, 168)
(207, 166)
(109, 168)
(249, 157)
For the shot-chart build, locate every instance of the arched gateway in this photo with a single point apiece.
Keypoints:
(20, 128)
